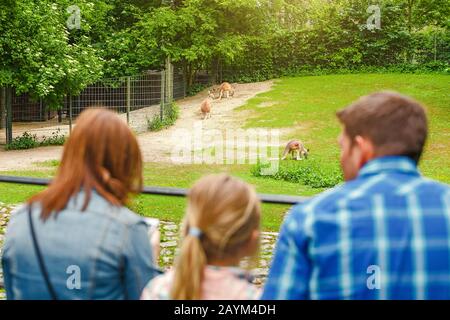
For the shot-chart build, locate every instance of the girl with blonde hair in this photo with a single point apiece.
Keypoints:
(220, 228)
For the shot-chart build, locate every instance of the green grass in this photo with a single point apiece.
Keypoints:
(308, 106)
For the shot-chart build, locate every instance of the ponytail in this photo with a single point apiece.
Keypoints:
(221, 216)
(191, 262)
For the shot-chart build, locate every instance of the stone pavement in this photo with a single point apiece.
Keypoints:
(170, 243)
(5, 212)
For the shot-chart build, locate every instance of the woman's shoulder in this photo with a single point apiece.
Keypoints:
(100, 205)
(19, 213)
(129, 217)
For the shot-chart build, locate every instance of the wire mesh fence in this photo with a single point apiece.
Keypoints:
(136, 99)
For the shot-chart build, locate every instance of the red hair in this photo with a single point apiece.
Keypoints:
(101, 154)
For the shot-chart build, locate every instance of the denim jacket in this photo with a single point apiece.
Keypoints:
(103, 252)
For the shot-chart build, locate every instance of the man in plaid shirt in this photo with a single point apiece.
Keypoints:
(385, 233)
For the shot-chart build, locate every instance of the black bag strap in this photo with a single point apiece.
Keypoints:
(37, 250)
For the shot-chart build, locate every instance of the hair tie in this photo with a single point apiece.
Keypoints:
(195, 232)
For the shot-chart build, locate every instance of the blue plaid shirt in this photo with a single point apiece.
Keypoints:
(383, 235)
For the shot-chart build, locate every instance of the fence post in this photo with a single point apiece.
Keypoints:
(8, 103)
(128, 99)
(2, 106)
(170, 81)
(163, 94)
(70, 114)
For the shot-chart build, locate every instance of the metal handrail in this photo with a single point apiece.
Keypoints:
(164, 191)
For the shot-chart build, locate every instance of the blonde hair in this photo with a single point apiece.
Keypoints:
(227, 211)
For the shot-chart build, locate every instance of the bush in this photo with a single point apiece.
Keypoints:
(25, 141)
(29, 141)
(426, 68)
(56, 139)
(308, 172)
(196, 88)
(170, 115)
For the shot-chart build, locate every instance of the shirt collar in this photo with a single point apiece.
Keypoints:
(389, 164)
(236, 271)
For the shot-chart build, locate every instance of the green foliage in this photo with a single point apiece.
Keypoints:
(25, 141)
(307, 172)
(242, 41)
(196, 88)
(38, 54)
(28, 141)
(48, 163)
(336, 40)
(55, 139)
(170, 115)
(198, 34)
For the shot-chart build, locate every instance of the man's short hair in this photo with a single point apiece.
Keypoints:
(394, 123)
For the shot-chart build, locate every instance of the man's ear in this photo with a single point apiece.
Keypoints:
(366, 147)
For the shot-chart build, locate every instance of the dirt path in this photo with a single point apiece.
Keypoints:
(156, 146)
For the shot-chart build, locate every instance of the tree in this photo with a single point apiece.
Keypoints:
(198, 33)
(36, 55)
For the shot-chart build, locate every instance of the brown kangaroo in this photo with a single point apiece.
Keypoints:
(226, 88)
(295, 147)
(206, 106)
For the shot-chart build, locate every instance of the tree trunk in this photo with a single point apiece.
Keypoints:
(189, 72)
(409, 14)
(410, 5)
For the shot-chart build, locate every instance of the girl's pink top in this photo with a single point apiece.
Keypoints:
(220, 283)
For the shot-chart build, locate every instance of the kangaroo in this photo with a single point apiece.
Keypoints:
(295, 147)
(227, 89)
(206, 106)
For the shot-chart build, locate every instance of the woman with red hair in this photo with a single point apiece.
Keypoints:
(76, 239)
